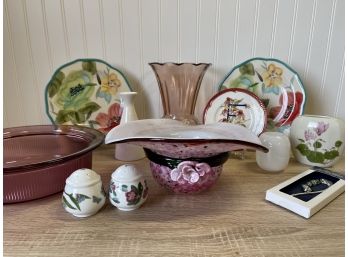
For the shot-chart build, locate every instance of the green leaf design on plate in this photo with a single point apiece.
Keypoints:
(65, 116)
(259, 76)
(89, 107)
(67, 204)
(253, 85)
(90, 84)
(55, 83)
(90, 67)
(265, 101)
(98, 79)
(247, 68)
(73, 94)
(79, 116)
(301, 140)
(242, 81)
(338, 143)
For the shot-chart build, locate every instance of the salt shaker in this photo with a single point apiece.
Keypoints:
(278, 156)
(83, 194)
(128, 188)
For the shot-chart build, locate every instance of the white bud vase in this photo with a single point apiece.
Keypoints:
(124, 151)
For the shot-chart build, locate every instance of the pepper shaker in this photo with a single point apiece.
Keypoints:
(128, 188)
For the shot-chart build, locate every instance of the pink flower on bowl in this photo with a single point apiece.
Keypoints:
(189, 171)
(191, 175)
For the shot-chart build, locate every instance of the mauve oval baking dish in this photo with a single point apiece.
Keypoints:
(38, 159)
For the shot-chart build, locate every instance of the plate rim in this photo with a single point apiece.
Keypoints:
(222, 92)
(273, 60)
(73, 62)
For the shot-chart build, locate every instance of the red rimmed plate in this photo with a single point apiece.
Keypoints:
(237, 106)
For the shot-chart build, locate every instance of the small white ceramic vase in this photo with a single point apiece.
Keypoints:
(317, 140)
(128, 188)
(83, 194)
(124, 151)
(277, 158)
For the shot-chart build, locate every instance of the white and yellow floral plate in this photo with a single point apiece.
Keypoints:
(237, 106)
(277, 85)
(85, 92)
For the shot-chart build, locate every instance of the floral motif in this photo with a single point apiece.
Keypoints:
(189, 172)
(134, 195)
(285, 116)
(79, 90)
(112, 192)
(245, 79)
(272, 76)
(321, 128)
(232, 112)
(109, 84)
(74, 201)
(312, 145)
(309, 135)
(270, 80)
(73, 98)
(107, 121)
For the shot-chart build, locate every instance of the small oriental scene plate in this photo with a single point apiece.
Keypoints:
(85, 92)
(236, 106)
(173, 138)
(277, 85)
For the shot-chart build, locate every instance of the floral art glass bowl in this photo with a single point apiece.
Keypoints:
(185, 158)
(38, 159)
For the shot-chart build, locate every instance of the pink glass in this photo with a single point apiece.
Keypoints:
(161, 173)
(179, 85)
(38, 159)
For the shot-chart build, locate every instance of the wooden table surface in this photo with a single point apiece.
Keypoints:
(231, 219)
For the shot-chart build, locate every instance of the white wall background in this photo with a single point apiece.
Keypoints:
(41, 35)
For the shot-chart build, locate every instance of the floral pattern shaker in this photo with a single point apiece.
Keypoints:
(83, 194)
(128, 188)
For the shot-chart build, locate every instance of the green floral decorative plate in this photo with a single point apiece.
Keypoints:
(277, 85)
(85, 92)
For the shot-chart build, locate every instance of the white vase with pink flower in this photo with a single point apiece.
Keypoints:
(317, 140)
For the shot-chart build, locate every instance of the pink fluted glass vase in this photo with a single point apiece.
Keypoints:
(179, 85)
